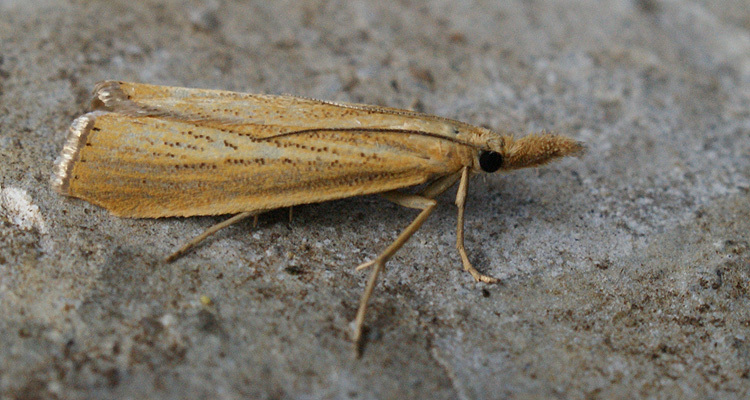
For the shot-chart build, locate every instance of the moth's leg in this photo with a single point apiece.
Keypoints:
(433, 190)
(407, 200)
(210, 231)
(439, 186)
(463, 189)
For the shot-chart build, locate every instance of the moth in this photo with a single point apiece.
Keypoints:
(148, 151)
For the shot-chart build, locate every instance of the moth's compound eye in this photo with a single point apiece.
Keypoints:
(490, 161)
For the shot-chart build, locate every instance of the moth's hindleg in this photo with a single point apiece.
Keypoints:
(210, 231)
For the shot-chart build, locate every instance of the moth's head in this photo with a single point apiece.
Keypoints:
(534, 150)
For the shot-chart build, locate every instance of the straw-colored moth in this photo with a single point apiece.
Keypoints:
(151, 151)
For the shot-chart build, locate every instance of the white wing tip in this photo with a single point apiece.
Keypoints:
(77, 137)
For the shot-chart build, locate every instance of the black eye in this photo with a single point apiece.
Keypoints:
(490, 161)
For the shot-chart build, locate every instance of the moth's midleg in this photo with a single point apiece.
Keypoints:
(463, 189)
(210, 231)
(439, 186)
(406, 200)
(436, 188)
(422, 201)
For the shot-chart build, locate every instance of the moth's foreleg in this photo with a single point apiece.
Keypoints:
(463, 189)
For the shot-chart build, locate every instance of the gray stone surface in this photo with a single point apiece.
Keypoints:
(625, 273)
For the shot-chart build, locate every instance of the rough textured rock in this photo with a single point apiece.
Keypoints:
(625, 273)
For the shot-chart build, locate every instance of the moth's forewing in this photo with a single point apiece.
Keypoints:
(155, 151)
